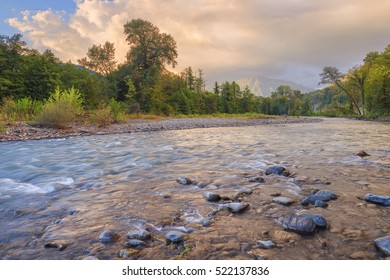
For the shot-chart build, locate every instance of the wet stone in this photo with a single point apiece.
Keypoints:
(277, 169)
(311, 199)
(56, 245)
(234, 207)
(383, 244)
(184, 181)
(140, 234)
(207, 221)
(209, 196)
(320, 203)
(382, 200)
(108, 236)
(327, 193)
(275, 194)
(134, 243)
(175, 236)
(302, 225)
(283, 200)
(318, 220)
(266, 244)
(256, 180)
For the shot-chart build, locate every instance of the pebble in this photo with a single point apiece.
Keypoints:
(256, 180)
(108, 236)
(266, 244)
(234, 207)
(57, 245)
(134, 242)
(318, 220)
(383, 244)
(277, 169)
(311, 199)
(283, 200)
(140, 234)
(175, 236)
(303, 225)
(382, 200)
(328, 193)
(184, 181)
(209, 196)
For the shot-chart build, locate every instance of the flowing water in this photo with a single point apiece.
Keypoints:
(70, 190)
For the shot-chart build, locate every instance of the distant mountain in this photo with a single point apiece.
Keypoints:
(263, 86)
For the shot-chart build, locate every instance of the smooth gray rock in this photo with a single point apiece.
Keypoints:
(328, 193)
(383, 244)
(175, 236)
(209, 196)
(184, 181)
(140, 234)
(283, 200)
(311, 199)
(134, 243)
(277, 169)
(318, 220)
(108, 236)
(266, 244)
(302, 225)
(382, 200)
(234, 207)
(320, 203)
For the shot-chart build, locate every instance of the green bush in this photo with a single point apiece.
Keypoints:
(102, 116)
(23, 109)
(62, 108)
(116, 109)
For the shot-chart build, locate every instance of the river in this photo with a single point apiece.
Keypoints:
(67, 191)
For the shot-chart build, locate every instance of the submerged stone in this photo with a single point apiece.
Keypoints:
(140, 234)
(318, 220)
(256, 180)
(277, 169)
(108, 236)
(184, 181)
(209, 196)
(134, 242)
(175, 236)
(57, 245)
(266, 244)
(383, 244)
(311, 199)
(283, 200)
(327, 193)
(234, 207)
(382, 200)
(320, 203)
(302, 225)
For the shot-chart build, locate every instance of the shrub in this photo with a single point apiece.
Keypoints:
(2, 129)
(116, 109)
(102, 116)
(23, 109)
(62, 108)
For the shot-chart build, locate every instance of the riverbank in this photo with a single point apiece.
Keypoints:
(23, 131)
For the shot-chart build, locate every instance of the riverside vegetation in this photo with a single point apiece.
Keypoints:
(40, 87)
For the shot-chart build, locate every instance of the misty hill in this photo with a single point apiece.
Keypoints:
(263, 86)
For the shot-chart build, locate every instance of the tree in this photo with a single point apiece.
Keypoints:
(150, 50)
(100, 59)
(332, 75)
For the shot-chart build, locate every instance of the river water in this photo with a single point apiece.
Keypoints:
(68, 191)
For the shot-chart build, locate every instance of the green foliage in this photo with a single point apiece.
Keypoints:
(2, 128)
(23, 109)
(62, 108)
(100, 59)
(101, 116)
(116, 109)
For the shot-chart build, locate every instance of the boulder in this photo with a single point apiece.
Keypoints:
(302, 225)
(318, 220)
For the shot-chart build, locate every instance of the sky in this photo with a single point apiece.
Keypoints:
(227, 39)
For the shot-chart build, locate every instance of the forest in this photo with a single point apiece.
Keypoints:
(39, 86)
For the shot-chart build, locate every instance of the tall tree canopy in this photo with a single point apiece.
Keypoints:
(100, 59)
(150, 50)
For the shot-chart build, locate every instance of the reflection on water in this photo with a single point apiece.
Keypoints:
(70, 190)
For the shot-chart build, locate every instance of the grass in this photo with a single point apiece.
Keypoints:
(182, 253)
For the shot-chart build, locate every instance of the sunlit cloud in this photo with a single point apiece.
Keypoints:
(290, 39)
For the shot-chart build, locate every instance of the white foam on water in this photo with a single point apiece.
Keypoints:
(10, 186)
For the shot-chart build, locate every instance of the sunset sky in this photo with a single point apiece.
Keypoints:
(286, 39)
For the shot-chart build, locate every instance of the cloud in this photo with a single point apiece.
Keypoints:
(290, 39)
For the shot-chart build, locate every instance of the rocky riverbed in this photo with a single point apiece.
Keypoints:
(25, 131)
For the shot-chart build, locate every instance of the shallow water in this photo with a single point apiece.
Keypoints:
(70, 190)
